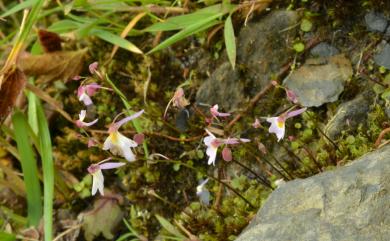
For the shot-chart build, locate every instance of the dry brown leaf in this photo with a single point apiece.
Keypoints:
(50, 41)
(12, 86)
(63, 65)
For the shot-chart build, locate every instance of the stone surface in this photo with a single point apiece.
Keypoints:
(382, 57)
(375, 22)
(349, 115)
(223, 87)
(324, 49)
(350, 203)
(261, 52)
(320, 80)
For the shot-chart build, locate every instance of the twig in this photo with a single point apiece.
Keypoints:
(380, 137)
(66, 232)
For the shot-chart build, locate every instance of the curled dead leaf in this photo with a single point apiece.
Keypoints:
(12, 87)
(103, 218)
(50, 41)
(62, 65)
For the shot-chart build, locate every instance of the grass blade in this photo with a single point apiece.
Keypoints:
(18, 7)
(192, 29)
(7, 236)
(170, 228)
(230, 41)
(116, 40)
(29, 168)
(180, 22)
(48, 171)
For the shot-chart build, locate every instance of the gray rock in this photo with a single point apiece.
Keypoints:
(262, 48)
(223, 87)
(261, 52)
(382, 57)
(349, 115)
(350, 203)
(320, 80)
(324, 49)
(375, 22)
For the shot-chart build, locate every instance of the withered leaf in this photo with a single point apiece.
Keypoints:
(103, 218)
(50, 41)
(59, 65)
(12, 87)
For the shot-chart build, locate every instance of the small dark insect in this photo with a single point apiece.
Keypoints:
(50, 41)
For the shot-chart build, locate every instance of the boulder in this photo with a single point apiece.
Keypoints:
(350, 203)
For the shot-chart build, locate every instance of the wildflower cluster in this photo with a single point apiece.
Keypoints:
(120, 145)
(116, 143)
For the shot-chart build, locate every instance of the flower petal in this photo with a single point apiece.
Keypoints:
(111, 165)
(295, 112)
(127, 119)
(212, 153)
(277, 127)
(98, 182)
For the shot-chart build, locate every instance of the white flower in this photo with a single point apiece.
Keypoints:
(119, 144)
(277, 126)
(278, 123)
(212, 144)
(97, 175)
(203, 193)
(80, 122)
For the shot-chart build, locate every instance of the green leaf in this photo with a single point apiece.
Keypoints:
(299, 47)
(169, 227)
(306, 25)
(48, 171)
(116, 40)
(29, 168)
(190, 30)
(18, 7)
(64, 26)
(7, 236)
(230, 41)
(184, 21)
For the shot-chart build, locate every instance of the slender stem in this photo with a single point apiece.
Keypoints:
(263, 181)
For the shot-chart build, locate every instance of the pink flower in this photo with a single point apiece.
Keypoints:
(119, 144)
(213, 143)
(93, 67)
(80, 122)
(97, 176)
(278, 123)
(256, 124)
(84, 92)
(291, 96)
(214, 112)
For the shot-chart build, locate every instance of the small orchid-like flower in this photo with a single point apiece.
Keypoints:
(291, 96)
(203, 193)
(80, 122)
(278, 123)
(97, 176)
(178, 100)
(84, 92)
(214, 112)
(93, 67)
(213, 143)
(119, 144)
(91, 143)
(256, 124)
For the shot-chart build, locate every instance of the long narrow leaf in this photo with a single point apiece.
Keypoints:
(116, 40)
(183, 21)
(48, 172)
(230, 41)
(169, 227)
(7, 236)
(18, 7)
(29, 168)
(195, 28)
